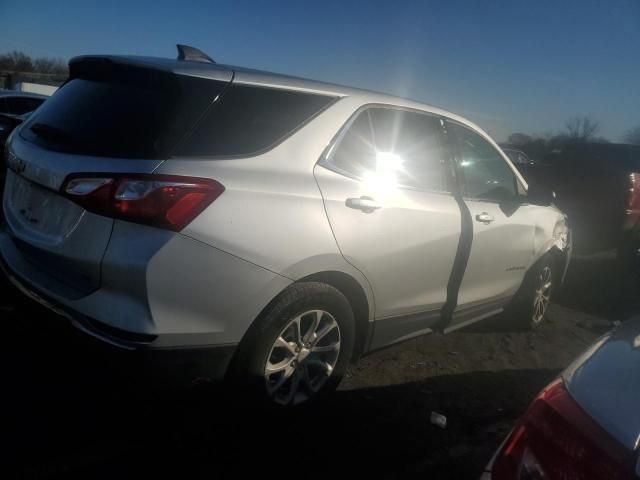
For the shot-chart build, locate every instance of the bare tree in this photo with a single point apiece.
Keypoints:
(16, 61)
(632, 136)
(20, 62)
(582, 128)
(49, 65)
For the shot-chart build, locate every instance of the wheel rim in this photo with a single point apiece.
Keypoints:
(302, 357)
(542, 295)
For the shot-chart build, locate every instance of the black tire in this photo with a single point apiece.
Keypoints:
(524, 310)
(247, 372)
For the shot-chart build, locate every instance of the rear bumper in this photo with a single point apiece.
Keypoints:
(166, 365)
(159, 290)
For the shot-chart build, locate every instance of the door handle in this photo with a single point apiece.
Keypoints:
(366, 204)
(485, 218)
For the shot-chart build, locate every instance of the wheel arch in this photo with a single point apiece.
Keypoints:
(559, 257)
(357, 297)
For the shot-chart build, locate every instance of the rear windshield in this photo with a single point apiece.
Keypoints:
(248, 120)
(141, 113)
(135, 114)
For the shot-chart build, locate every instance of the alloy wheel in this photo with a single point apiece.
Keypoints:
(542, 295)
(302, 357)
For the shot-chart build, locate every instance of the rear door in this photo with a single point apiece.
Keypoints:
(503, 226)
(385, 188)
(107, 118)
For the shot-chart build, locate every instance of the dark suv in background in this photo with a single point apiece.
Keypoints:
(598, 186)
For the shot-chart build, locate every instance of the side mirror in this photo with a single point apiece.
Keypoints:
(540, 194)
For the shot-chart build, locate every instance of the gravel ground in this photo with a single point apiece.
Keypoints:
(73, 409)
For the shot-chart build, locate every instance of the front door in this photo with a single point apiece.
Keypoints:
(502, 247)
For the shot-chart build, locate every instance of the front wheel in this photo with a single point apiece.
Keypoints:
(530, 306)
(300, 348)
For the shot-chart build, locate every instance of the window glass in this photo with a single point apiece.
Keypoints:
(126, 112)
(400, 145)
(20, 105)
(356, 152)
(485, 173)
(249, 119)
(3, 105)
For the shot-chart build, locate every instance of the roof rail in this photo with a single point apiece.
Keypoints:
(191, 54)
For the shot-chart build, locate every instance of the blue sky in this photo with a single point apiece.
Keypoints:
(508, 65)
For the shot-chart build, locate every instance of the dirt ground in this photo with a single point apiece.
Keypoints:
(73, 409)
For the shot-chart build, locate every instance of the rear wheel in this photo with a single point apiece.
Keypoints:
(300, 348)
(530, 306)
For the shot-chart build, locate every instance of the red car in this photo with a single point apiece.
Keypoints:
(586, 423)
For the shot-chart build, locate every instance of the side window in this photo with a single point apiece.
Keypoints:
(356, 152)
(31, 104)
(20, 105)
(248, 119)
(485, 174)
(17, 105)
(400, 145)
(3, 105)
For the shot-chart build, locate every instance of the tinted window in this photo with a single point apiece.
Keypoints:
(130, 113)
(21, 105)
(3, 105)
(249, 119)
(484, 172)
(398, 142)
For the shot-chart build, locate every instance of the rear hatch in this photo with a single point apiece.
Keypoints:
(114, 115)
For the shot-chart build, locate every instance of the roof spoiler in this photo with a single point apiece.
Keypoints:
(191, 54)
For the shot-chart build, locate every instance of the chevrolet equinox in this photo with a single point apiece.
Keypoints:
(285, 226)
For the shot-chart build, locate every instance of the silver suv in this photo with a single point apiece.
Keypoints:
(283, 226)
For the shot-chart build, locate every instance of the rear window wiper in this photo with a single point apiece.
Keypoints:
(49, 132)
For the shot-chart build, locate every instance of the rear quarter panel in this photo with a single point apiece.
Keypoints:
(271, 212)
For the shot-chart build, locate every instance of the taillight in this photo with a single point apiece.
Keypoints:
(557, 439)
(634, 191)
(164, 201)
